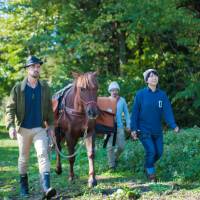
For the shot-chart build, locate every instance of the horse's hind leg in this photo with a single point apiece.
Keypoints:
(58, 169)
(89, 141)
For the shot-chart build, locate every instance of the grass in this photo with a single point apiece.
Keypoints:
(178, 172)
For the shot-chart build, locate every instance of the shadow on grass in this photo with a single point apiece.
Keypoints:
(180, 156)
(8, 156)
(3, 133)
(106, 187)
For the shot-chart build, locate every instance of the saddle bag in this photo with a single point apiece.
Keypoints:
(106, 120)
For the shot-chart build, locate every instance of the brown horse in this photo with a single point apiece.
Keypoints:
(76, 117)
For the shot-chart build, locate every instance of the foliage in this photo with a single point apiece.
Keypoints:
(117, 38)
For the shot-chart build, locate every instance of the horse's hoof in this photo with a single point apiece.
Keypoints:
(58, 171)
(92, 183)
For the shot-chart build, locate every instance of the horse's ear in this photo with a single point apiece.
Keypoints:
(75, 74)
(95, 73)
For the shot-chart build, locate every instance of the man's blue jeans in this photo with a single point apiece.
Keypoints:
(153, 145)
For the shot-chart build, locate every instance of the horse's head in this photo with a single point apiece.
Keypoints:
(86, 93)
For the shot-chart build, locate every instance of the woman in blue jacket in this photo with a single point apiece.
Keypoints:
(150, 105)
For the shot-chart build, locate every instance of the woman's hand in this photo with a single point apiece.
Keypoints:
(134, 135)
(176, 130)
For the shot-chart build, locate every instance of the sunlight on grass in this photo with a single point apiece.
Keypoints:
(7, 169)
(179, 180)
(8, 143)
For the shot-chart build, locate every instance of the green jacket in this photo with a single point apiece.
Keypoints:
(15, 109)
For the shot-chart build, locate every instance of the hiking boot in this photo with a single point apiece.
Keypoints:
(24, 185)
(45, 181)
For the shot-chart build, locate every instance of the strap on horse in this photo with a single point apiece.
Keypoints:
(57, 101)
(108, 131)
(115, 128)
(108, 136)
(115, 135)
(60, 94)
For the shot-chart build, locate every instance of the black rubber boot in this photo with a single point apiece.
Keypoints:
(48, 191)
(24, 185)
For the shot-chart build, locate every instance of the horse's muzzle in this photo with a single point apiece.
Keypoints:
(92, 113)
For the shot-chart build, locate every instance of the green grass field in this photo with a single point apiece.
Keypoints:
(178, 172)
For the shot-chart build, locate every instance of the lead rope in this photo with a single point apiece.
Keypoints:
(53, 142)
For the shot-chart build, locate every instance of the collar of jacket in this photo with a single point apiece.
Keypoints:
(24, 82)
(150, 90)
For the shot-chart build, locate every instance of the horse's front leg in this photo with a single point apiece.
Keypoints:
(58, 148)
(71, 147)
(90, 145)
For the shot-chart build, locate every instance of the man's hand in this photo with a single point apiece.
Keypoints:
(50, 132)
(51, 137)
(134, 135)
(12, 133)
(176, 130)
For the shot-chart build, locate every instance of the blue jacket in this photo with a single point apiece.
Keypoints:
(122, 108)
(148, 110)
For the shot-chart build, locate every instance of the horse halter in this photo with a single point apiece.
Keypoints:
(89, 102)
(86, 103)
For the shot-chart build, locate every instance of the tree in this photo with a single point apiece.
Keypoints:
(117, 38)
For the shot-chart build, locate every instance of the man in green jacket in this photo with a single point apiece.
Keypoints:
(28, 111)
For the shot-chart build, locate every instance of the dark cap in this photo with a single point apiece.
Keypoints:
(33, 60)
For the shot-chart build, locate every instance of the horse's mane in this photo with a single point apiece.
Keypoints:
(87, 81)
